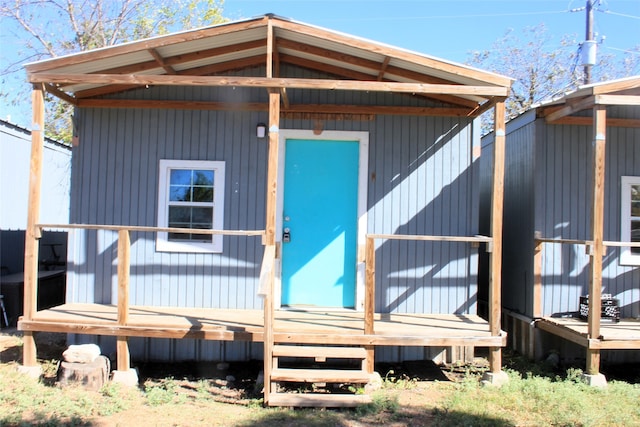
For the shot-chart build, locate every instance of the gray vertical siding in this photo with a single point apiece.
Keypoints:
(564, 211)
(519, 201)
(422, 180)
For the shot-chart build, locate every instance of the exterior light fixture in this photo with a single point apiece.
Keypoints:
(261, 130)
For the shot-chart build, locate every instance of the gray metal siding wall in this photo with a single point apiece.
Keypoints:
(564, 211)
(518, 225)
(422, 180)
(564, 190)
(115, 177)
(518, 232)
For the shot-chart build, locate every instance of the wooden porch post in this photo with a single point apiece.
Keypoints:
(122, 344)
(537, 279)
(270, 233)
(32, 234)
(370, 299)
(495, 274)
(597, 230)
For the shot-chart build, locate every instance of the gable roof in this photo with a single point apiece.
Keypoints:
(198, 56)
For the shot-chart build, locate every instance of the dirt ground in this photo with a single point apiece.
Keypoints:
(232, 393)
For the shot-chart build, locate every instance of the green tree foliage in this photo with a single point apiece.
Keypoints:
(544, 68)
(53, 28)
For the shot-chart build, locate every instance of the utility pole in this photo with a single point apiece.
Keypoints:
(589, 41)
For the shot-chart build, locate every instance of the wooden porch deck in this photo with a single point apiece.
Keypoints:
(613, 336)
(310, 327)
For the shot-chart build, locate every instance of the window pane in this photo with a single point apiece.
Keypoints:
(190, 217)
(635, 235)
(635, 200)
(203, 194)
(179, 194)
(203, 177)
(179, 214)
(180, 177)
(202, 216)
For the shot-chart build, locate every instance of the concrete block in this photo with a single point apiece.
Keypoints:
(597, 380)
(374, 384)
(127, 378)
(495, 379)
(31, 371)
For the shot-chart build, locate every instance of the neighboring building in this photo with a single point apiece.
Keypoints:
(15, 154)
(311, 154)
(550, 193)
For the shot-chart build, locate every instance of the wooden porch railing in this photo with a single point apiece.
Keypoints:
(124, 262)
(370, 261)
(596, 291)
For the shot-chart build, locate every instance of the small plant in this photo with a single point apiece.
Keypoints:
(380, 402)
(401, 382)
(574, 375)
(164, 392)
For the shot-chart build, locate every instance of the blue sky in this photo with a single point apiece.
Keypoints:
(448, 29)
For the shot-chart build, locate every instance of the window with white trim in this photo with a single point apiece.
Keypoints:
(190, 195)
(630, 219)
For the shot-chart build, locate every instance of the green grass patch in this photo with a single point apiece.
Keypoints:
(28, 401)
(529, 399)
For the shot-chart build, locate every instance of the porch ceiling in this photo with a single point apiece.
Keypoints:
(220, 49)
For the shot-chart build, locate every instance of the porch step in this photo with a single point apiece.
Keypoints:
(320, 375)
(311, 367)
(318, 400)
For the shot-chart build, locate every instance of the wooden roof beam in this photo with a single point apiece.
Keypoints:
(257, 106)
(570, 108)
(160, 60)
(189, 80)
(172, 61)
(60, 94)
(454, 69)
(200, 71)
(356, 75)
(385, 64)
(374, 66)
(617, 100)
(156, 42)
(588, 121)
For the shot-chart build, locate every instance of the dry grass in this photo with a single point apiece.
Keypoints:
(413, 394)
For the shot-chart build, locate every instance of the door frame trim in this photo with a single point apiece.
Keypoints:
(363, 173)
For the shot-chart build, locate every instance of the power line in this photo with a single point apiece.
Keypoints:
(482, 15)
(619, 14)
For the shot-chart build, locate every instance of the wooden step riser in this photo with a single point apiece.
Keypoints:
(318, 352)
(320, 375)
(314, 400)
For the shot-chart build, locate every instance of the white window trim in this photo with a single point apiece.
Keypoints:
(163, 244)
(626, 256)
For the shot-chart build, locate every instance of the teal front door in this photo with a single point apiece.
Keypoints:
(319, 223)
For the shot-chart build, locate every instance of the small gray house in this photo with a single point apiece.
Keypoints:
(571, 222)
(270, 189)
